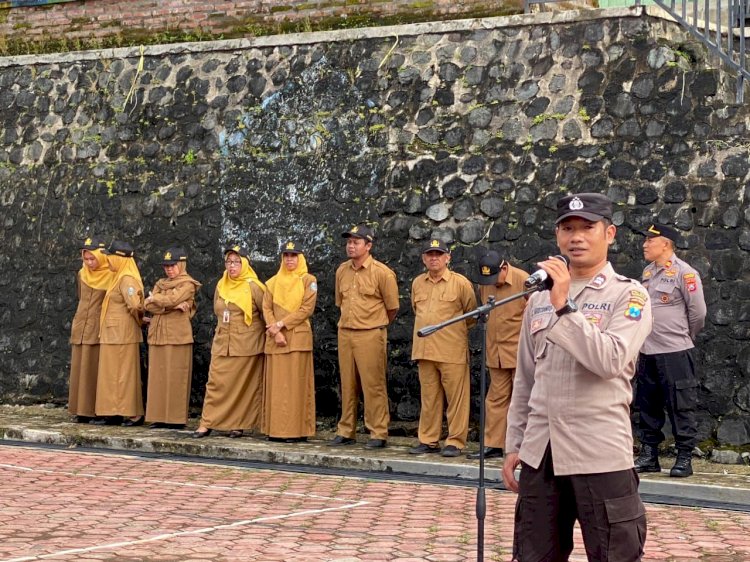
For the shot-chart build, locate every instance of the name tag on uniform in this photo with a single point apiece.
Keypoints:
(225, 318)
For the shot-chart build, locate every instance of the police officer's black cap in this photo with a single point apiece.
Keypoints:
(174, 255)
(489, 266)
(291, 247)
(360, 231)
(120, 248)
(657, 229)
(435, 245)
(237, 249)
(93, 243)
(590, 206)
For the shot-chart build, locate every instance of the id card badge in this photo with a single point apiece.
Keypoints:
(226, 316)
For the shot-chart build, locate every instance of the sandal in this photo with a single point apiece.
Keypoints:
(201, 434)
(235, 433)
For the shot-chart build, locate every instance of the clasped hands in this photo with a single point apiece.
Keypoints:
(274, 330)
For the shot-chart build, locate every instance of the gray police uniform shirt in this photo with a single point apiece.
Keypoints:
(677, 304)
(572, 387)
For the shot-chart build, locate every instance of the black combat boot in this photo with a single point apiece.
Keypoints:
(648, 460)
(683, 466)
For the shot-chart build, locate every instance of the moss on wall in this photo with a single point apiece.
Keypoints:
(255, 25)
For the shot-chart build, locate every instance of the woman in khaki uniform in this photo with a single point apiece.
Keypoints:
(93, 281)
(289, 397)
(118, 389)
(234, 392)
(170, 340)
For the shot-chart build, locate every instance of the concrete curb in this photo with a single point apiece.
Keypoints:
(318, 454)
(406, 30)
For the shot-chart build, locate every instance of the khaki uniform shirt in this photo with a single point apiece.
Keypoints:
(297, 329)
(437, 301)
(122, 323)
(85, 326)
(365, 294)
(169, 325)
(572, 387)
(678, 306)
(235, 338)
(504, 323)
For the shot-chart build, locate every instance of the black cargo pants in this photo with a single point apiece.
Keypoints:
(607, 506)
(667, 381)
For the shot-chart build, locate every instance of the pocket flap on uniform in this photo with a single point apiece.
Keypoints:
(682, 384)
(626, 508)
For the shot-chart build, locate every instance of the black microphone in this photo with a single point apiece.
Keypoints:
(539, 280)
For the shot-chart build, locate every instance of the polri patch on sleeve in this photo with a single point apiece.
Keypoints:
(131, 291)
(634, 310)
(635, 305)
(638, 297)
(314, 287)
(692, 286)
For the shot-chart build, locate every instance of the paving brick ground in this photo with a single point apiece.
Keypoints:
(66, 505)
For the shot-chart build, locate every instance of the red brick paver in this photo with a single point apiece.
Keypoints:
(65, 505)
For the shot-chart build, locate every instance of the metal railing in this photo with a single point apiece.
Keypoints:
(718, 24)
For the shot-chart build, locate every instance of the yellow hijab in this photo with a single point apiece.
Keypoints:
(237, 291)
(287, 286)
(124, 267)
(100, 277)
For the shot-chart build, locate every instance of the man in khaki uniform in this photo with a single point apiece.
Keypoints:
(499, 279)
(367, 294)
(437, 296)
(569, 418)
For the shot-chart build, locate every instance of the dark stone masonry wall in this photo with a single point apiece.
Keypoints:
(469, 134)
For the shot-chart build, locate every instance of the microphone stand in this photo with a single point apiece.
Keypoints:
(481, 313)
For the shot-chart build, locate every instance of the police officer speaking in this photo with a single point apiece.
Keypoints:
(569, 418)
(666, 373)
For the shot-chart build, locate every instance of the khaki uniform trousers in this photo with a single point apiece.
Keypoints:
(441, 382)
(497, 403)
(362, 363)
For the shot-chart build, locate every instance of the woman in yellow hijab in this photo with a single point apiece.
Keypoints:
(93, 281)
(170, 343)
(289, 397)
(234, 391)
(118, 389)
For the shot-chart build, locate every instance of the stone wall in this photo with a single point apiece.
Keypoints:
(466, 132)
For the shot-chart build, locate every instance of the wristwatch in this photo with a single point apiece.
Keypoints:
(570, 306)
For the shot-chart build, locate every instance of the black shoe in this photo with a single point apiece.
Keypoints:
(84, 419)
(423, 448)
(683, 466)
(340, 440)
(451, 451)
(648, 460)
(173, 426)
(201, 434)
(236, 433)
(489, 453)
(157, 425)
(375, 444)
(132, 423)
(107, 420)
